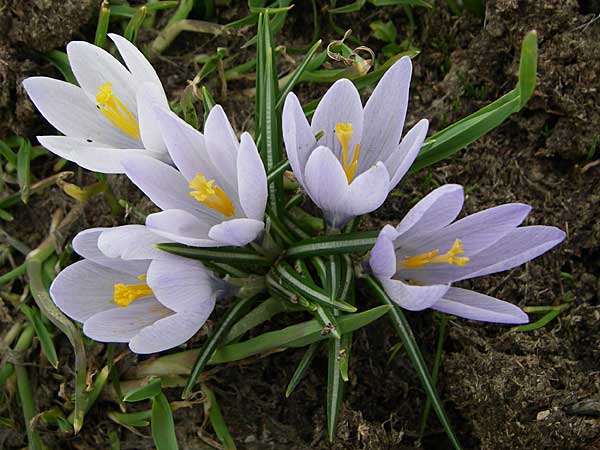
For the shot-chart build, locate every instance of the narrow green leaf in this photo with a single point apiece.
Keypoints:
(335, 386)
(145, 392)
(15, 273)
(278, 170)
(61, 62)
(183, 11)
(186, 102)
(134, 24)
(208, 102)
(528, 67)
(216, 419)
(360, 242)
(232, 255)
(163, 427)
(102, 26)
(42, 333)
(212, 342)
(543, 321)
(303, 365)
(352, 7)
(405, 334)
(136, 419)
(24, 169)
(263, 312)
(297, 74)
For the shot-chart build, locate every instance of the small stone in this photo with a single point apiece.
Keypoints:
(543, 415)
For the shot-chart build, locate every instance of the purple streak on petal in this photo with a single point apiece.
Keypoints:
(222, 146)
(130, 242)
(402, 159)
(476, 306)
(340, 104)
(297, 135)
(384, 114)
(237, 232)
(168, 332)
(413, 298)
(383, 256)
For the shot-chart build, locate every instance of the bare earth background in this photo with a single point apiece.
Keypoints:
(503, 390)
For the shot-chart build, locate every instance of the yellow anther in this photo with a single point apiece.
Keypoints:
(123, 294)
(116, 112)
(208, 193)
(344, 132)
(433, 257)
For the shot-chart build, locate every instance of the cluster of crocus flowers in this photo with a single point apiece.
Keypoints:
(153, 301)
(417, 261)
(349, 158)
(110, 114)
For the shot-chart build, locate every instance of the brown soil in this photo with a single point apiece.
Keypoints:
(503, 389)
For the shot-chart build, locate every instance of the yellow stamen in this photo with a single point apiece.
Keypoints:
(344, 132)
(207, 192)
(116, 112)
(123, 294)
(433, 257)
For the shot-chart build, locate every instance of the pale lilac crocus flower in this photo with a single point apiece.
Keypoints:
(417, 261)
(349, 158)
(219, 194)
(152, 304)
(109, 114)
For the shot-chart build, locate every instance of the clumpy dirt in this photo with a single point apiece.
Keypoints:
(503, 389)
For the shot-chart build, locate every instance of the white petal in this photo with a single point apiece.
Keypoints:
(71, 112)
(413, 298)
(383, 256)
(139, 66)
(86, 288)
(369, 190)
(222, 145)
(297, 135)
(384, 114)
(252, 179)
(340, 104)
(238, 232)
(147, 99)
(130, 242)
(167, 333)
(180, 226)
(93, 67)
(122, 324)
(400, 161)
(89, 155)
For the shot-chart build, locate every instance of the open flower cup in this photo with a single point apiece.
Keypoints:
(349, 158)
(217, 194)
(417, 261)
(152, 304)
(109, 115)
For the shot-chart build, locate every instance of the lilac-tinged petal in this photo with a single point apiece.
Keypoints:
(139, 66)
(237, 232)
(84, 289)
(147, 98)
(383, 256)
(326, 183)
(86, 244)
(413, 298)
(91, 156)
(183, 284)
(368, 191)
(94, 67)
(122, 324)
(181, 226)
(167, 333)
(432, 213)
(252, 179)
(130, 242)
(477, 231)
(340, 104)
(222, 145)
(71, 112)
(402, 159)
(384, 114)
(297, 135)
(515, 248)
(476, 306)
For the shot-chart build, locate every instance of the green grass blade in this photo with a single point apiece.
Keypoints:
(405, 334)
(297, 74)
(303, 365)
(145, 392)
(212, 342)
(134, 24)
(102, 27)
(24, 169)
(528, 67)
(231, 255)
(42, 333)
(59, 60)
(359, 242)
(163, 426)
(263, 312)
(216, 419)
(335, 386)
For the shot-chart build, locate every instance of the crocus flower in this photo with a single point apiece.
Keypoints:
(417, 261)
(349, 158)
(108, 115)
(219, 194)
(154, 305)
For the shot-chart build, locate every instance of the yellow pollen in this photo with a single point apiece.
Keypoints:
(123, 294)
(433, 257)
(208, 193)
(344, 132)
(116, 112)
